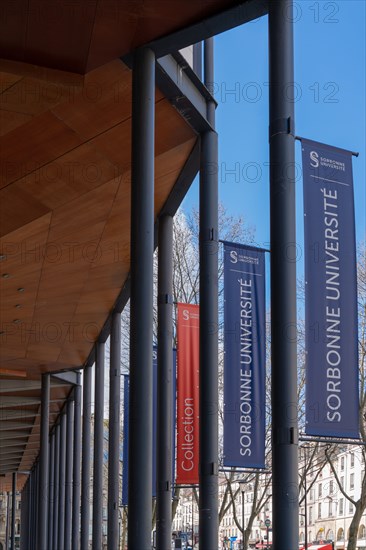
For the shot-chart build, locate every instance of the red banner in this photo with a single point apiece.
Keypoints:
(188, 394)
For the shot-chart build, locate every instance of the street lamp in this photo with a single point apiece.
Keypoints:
(242, 489)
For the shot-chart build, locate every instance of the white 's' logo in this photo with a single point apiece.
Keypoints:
(314, 157)
(233, 256)
(186, 314)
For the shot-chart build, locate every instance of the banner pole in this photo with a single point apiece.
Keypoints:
(283, 277)
(164, 386)
(208, 497)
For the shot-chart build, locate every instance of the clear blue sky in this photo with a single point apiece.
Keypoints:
(330, 83)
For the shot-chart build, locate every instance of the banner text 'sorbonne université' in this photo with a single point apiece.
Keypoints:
(244, 370)
(332, 399)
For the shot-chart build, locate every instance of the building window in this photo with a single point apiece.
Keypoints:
(352, 481)
(342, 463)
(350, 507)
(330, 513)
(352, 460)
(342, 482)
(331, 487)
(319, 510)
(341, 507)
(320, 490)
(312, 494)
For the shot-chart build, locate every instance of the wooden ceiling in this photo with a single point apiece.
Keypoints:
(65, 208)
(65, 153)
(79, 36)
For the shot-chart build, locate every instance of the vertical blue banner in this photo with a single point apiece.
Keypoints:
(126, 411)
(244, 366)
(332, 398)
(155, 409)
(126, 398)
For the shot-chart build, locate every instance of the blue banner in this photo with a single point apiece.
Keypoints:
(125, 426)
(155, 410)
(244, 366)
(126, 410)
(332, 398)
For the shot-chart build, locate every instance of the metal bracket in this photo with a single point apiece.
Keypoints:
(282, 126)
(165, 299)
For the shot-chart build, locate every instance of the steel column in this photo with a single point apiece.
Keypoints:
(98, 448)
(51, 491)
(75, 535)
(56, 489)
(30, 513)
(85, 460)
(208, 495)
(24, 517)
(141, 324)
(7, 526)
(62, 480)
(68, 471)
(43, 465)
(285, 501)
(13, 510)
(114, 431)
(164, 385)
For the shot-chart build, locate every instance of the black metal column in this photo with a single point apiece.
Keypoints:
(75, 535)
(208, 495)
(68, 471)
(13, 510)
(24, 517)
(56, 488)
(114, 431)
(43, 465)
(30, 521)
(7, 526)
(62, 481)
(98, 448)
(285, 500)
(51, 490)
(141, 324)
(164, 385)
(85, 460)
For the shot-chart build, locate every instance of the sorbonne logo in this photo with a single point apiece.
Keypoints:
(314, 158)
(233, 256)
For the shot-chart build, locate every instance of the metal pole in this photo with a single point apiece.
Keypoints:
(56, 490)
(30, 521)
(68, 472)
(43, 464)
(285, 497)
(62, 479)
(242, 517)
(164, 386)
(141, 324)
(24, 517)
(51, 493)
(208, 495)
(114, 431)
(7, 520)
(306, 512)
(75, 535)
(85, 460)
(98, 449)
(13, 509)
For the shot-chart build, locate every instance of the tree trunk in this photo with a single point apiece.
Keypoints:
(355, 523)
